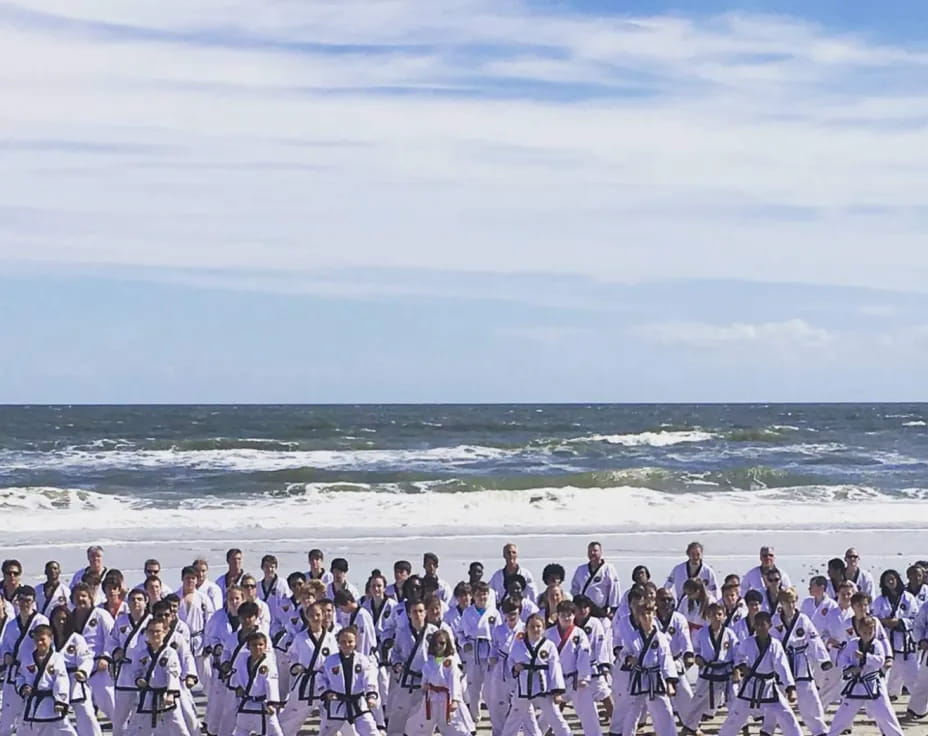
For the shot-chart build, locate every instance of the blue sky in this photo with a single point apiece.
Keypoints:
(463, 201)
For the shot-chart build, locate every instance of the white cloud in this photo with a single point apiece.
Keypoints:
(733, 147)
(703, 335)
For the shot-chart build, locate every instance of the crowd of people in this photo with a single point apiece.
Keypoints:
(414, 654)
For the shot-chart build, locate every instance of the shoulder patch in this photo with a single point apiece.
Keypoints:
(671, 629)
(386, 614)
(262, 670)
(598, 579)
(588, 629)
(123, 629)
(543, 654)
(492, 619)
(726, 644)
(92, 622)
(51, 669)
(654, 644)
(144, 660)
(163, 661)
(173, 645)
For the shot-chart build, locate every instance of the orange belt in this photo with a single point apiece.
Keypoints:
(429, 689)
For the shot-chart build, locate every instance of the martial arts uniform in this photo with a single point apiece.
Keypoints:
(325, 576)
(903, 647)
(214, 594)
(864, 689)
(287, 620)
(692, 612)
(500, 682)
(754, 580)
(713, 686)
(13, 647)
(332, 588)
(96, 632)
(306, 659)
(600, 654)
(157, 675)
(224, 583)
(195, 615)
(45, 708)
(407, 657)
(918, 696)
(255, 686)
(231, 650)
(573, 647)
(78, 658)
(48, 597)
(864, 582)
(769, 601)
(127, 640)
(766, 677)
(538, 678)
(817, 611)
(348, 683)
(367, 633)
(178, 638)
(442, 706)
(220, 626)
(499, 583)
(624, 629)
(677, 630)
(600, 584)
(683, 572)
(651, 669)
(476, 634)
(527, 609)
(453, 617)
(841, 626)
(803, 647)
(736, 614)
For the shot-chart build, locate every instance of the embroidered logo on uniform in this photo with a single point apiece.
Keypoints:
(31, 668)
(598, 579)
(428, 638)
(543, 654)
(780, 628)
(294, 619)
(386, 614)
(262, 670)
(577, 639)
(173, 645)
(726, 645)
(903, 605)
(144, 660)
(71, 649)
(123, 629)
(800, 631)
(672, 630)
(588, 629)
(51, 670)
(824, 610)
(325, 651)
(285, 608)
(92, 622)
(653, 645)
(519, 636)
(357, 669)
(446, 663)
(336, 670)
(492, 619)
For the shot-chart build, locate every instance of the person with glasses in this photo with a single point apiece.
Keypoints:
(12, 576)
(152, 569)
(773, 584)
(754, 578)
(250, 591)
(861, 578)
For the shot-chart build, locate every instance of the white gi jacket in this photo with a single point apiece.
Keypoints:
(599, 584)
(653, 663)
(125, 640)
(48, 678)
(48, 598)
(410, 650)
(500, 578)
(540, 673)
(681, 573)
(476, 634)
(868, 683)
(307, 657)
(767, 672)
(503, 640)
(441, 681)
(904, 608)
(352, 680)
(573, 649)
(16, 634)
(718, 654)
(802, 644)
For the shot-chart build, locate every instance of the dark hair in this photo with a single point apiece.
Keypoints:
(268, 560)
(402, 566)
(171, 598)
(81, 587)
(160, 608)
(441, 644)
(639, 569)
(248, 609)
(340, 564)
(473, 565)
(294, 577)
(253, 637)
(43, 630)
(9, 563)
(552, 572)
(517, 578)
(188, 570)
(763, 616)
(753, 596)
(819, 580)
(860, 597)
(508, 606)
(26, 591)
(480, 587)
(429, 583)
(350, 629)
(316, 554)
(582, 601)
(838, 565)
(430, 557)
(567, 607)
(410, 602)
(462, 588)
(884, 584)
(343, 597)
(231, 552)
(68, 621)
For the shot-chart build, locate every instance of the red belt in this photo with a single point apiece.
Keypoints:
(428, 701)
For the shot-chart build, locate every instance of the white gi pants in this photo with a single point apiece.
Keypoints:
(214, 701)
(585, 708)
(295, 714)
(383, 690)
(86, 719)
(707, 699)
(683, 700)
(425, 721)
(903, 672)
(810, 708)
(740, 710)
(403, 703)
(12, 711)
(188, 709)
(55, 728)
(101, 689)
(247, 724)
(170, 723)
(880, 710)
(283, 674)
(228, 708)
(660, 709)
(620, 697)
(473, 688)
(499, 693)
(522, 714)
(363, 725)
(124, 702)
(204, 663)
(830, 686)
(918, 695)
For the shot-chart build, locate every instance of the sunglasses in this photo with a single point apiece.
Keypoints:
(851, 557)
(773, 580)
(250, 585)
(13, 573)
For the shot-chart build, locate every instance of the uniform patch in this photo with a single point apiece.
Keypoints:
(800, 632)
(588, 629)
(357, 669)
(780, 628)
(92, 622)
(446, 663)
(173, 645)
(336, 670)
(262, 670)
(726, 645)
(123, 629)
(653, 645)
(51, 670)
(285, 608)
(492, 619)
(31, 667)
(71, 649)
(519, 636)
(325, 651)
(144, 660)
(163, 661)
(386, 614)
(577, 639)
(903, 605)
(543, 654)
(294, 619)
(672, 630)
(598, 579)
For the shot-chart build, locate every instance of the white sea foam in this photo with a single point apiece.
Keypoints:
(915, 423)
(44, 513)
(651, 439)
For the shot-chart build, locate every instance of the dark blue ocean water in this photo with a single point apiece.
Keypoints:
(166, 455)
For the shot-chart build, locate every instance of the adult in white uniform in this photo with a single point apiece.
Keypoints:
(598, 581)
(500, 579)
(753, 579)
(860, 577)
(693, 567)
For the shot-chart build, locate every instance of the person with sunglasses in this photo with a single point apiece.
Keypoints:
(754, 578)
(860, 577)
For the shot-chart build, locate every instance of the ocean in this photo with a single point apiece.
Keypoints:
(124, 471)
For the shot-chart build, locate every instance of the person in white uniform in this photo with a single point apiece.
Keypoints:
(499, 582)
(42, 684)
(350, 682)
(753, 579)
(598, 581)
(693, 567)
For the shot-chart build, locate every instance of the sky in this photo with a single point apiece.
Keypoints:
(467, 200)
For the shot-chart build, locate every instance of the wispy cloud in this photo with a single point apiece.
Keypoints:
(701, 335)
(465, 136)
